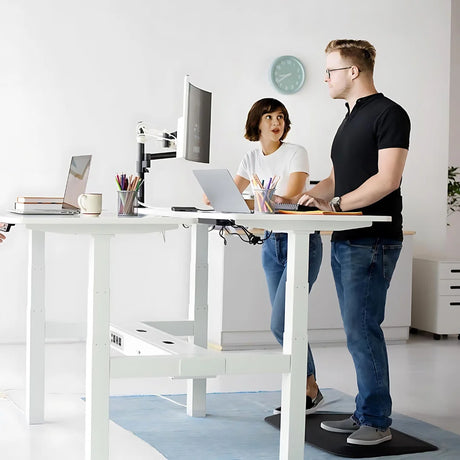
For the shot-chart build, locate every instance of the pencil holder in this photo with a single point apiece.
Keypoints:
(127, 202)
(263, 200)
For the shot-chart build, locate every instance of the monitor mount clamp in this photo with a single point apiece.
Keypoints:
(144, 159)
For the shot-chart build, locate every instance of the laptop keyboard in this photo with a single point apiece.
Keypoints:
(294, 207)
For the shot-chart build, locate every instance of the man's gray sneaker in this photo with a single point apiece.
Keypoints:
(348, 425)
(369, 436)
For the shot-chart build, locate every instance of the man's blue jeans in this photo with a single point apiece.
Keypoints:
(274, 261)
(362, 271)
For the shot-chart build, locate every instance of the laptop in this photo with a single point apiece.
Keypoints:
(222, 192)
(77, 178)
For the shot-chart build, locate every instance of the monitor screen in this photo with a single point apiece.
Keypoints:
(194, 128)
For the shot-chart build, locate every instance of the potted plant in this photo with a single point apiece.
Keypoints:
(453, 190)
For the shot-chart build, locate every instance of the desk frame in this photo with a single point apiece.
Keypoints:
(99, 366)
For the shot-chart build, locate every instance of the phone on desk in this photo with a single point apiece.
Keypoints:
(184, 208)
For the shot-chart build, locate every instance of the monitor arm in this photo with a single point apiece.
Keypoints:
(144, 159)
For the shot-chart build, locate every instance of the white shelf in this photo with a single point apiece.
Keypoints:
(436, 296)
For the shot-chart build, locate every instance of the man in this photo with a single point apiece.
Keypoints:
(368, 155)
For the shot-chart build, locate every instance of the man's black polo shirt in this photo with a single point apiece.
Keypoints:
(375, 123)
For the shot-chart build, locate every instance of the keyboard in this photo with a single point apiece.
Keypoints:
(294, 207)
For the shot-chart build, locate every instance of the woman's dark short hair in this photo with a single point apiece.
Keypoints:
(260, 108)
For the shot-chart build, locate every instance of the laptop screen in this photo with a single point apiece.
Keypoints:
(221, 190)
(76, 180)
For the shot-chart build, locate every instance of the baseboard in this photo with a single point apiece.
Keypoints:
(230, 340)
(247, 340)
(55, 332)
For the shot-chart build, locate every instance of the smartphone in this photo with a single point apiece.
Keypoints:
(184, 208)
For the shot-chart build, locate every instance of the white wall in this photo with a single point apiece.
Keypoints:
(77, 76)
(453, 230)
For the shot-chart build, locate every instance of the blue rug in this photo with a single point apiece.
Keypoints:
(234, 428)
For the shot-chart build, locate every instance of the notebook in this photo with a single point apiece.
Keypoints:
(222, 192)
(77, 178)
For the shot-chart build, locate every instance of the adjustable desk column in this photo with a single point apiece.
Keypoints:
(35, 339)
(198, 313)
(98, 349)
(292, 431)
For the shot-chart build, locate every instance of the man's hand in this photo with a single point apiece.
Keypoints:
(309, 200)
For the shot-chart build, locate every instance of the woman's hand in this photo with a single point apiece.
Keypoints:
(319, 203)
(2, 237)
(280, 199)
(206, 200)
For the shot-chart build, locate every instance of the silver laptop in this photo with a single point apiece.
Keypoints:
(222, 192)
(77, 178)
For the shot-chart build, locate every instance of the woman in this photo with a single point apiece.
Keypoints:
(268, 123)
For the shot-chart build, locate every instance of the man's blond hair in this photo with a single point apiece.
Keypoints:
(357, 52)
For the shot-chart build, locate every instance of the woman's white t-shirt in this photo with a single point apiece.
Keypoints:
(289, 158)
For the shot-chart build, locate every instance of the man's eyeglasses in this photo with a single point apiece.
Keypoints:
(328, 71)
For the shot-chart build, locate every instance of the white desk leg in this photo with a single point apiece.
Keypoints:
(35, 349)
(198, 311)
(98, 351)
(292, 435)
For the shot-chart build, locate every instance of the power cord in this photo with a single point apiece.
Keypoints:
(248, 237)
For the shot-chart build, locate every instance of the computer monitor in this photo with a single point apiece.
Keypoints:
(194, 127)
(192, 138)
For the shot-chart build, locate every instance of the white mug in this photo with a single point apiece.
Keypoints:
(90, 203)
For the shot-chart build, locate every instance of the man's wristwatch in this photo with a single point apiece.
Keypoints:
(335, 204)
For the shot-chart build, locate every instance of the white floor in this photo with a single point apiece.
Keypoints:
(424, 374)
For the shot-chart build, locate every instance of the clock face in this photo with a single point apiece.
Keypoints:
(287, 74)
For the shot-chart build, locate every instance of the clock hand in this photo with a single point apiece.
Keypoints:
(282, 77)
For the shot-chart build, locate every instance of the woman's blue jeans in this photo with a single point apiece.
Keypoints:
(274, 261)
(362, 271)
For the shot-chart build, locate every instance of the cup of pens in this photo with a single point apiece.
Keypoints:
(127, 202)
(127, 195)
(263, 194)
(263, 200)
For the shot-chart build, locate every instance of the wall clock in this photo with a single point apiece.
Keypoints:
(287, 74)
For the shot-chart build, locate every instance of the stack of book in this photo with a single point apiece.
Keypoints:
(37, 202)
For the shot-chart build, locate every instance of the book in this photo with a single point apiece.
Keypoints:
(39, 199)
(31, 205)
(324, 213)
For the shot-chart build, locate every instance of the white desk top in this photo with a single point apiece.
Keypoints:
(168, 220)
(278, 222)
(106, 223)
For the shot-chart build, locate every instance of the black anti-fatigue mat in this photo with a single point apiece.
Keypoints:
(336, 443)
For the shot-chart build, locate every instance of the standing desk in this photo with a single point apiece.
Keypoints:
(153, 349)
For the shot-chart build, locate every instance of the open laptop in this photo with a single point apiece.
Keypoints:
(77, 178)
(222, 192)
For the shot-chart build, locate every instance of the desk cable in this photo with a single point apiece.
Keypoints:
(248, 236)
